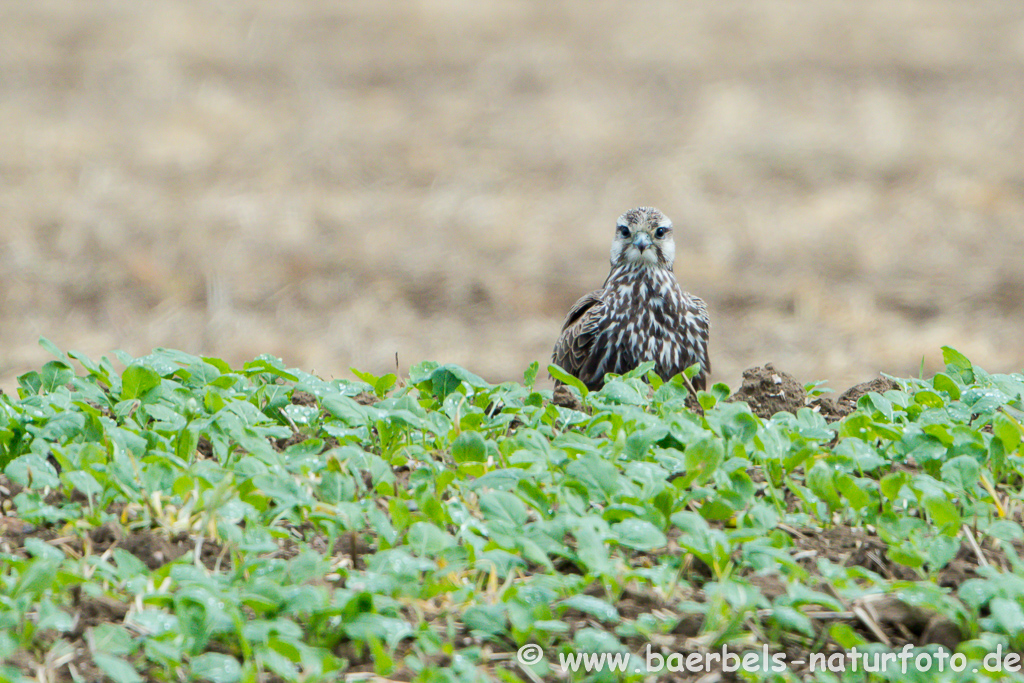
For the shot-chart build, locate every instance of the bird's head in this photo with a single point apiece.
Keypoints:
(643, 239)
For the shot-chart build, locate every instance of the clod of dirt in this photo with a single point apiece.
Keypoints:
(365, 398)
(154, 550)
(12, 526)
(768, 391)
(96, 611)
(879, 385)
(298, 437)
(356, 547)
(204, 448)
(291, 440)
(303, 398)
(941, 630)
(564, 398)
(837, 409)
(689, 625)
(828, 409)
(926, 626)
(105, 536)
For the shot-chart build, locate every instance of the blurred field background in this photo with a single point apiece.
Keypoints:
(338, 182)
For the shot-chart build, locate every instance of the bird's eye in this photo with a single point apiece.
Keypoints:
(624, 231)
(660, 233)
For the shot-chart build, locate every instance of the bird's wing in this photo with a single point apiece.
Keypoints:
(703, 332)
(578, 331)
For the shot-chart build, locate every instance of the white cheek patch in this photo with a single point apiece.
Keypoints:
(669, 250)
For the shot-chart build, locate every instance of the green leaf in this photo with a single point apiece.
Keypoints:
(962, 472)
(534, 496)
(56, 374)
(428, 540)
(943, 382)
(383, 664)
(942, 512)
(503, 506)
(264, 364)
(8, 646)
(186, 443)
(718, 393)
(166, 651)
(820, 479)
(420, 372)
(591, 548)
(905, 555)
(929, 399)
(217, 363)
(83, 481)
(469, 447)
(1005, 530)
(284, 664)
(127, 564)
(598, 475)
(485, 620)
(891, 484)
(845, 636)
(400, 516)
(112, 639)
(595, 607)
(638, 534)
(702, 458)
(624, 392)
(792, 619)
(447, 378)
(941, 551)
(1008, 430)
(597, 640)
(367, 377)
(217, 668)
(89, 365)
(53, 618)
(30, 383)
(565, 378)
(53, 349)
(384, 384)
(1008, 615)
(958, 364)
(32, 471)
(852, 490)
(530, 375)
(136, 380)
(42, 549)
(116, 668)
(346, 410)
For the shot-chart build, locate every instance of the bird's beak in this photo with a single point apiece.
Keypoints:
(642, 241)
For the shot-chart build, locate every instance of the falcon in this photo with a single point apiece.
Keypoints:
(640, 314)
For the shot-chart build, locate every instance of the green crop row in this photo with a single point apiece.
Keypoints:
(183, 520)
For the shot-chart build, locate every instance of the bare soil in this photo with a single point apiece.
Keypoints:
(338, 183)
(768, 391)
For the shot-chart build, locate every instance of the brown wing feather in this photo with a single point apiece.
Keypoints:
(578, 330)
(706, 319)
(704, 332)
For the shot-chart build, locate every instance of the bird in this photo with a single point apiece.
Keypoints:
(640, 314)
